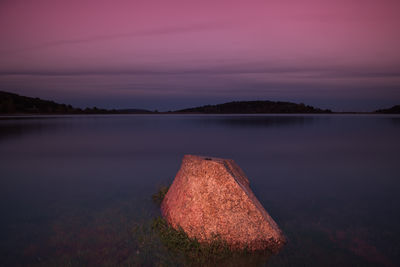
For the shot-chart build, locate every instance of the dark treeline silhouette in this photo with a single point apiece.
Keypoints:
(11, 103)
(250, 107)
(392, 110)
(15, 104)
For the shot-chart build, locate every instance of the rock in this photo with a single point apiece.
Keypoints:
(211, 197)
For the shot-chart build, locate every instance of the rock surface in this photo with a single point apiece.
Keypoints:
(211, 197)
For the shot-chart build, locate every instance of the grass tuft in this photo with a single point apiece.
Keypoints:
(159, 196)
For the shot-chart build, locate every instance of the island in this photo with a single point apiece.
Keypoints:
(11, 103)
(392, 110)
(254, 107)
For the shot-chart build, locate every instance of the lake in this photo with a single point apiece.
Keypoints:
(75, 189)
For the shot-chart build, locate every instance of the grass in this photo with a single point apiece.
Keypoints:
(159, 196)
(191, 250)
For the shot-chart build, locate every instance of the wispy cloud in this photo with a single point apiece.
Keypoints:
(311, 72)
(108, 37)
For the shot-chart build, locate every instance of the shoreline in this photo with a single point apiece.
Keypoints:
(16, 115)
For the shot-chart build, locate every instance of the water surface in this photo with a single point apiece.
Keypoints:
(72, 188)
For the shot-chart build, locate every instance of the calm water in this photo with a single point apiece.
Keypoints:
(73, 187)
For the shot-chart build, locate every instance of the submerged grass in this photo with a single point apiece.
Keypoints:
(159, 196)
(110, 237)
(125, 233)
(189, 250)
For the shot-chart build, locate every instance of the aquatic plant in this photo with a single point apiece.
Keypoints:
(190, 250)
(160, 194)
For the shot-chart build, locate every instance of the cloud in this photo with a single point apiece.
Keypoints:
(108, 37)
(256, 68)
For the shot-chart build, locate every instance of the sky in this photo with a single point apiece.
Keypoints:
(166, 55)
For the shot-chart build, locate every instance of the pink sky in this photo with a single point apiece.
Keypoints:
(172, 54)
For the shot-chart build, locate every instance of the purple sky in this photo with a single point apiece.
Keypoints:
(342, 54)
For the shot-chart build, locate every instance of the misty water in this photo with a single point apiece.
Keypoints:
(72, 188)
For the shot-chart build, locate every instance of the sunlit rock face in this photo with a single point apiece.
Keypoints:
(211, 197)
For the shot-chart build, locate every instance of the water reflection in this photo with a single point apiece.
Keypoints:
(261, 121)
(12, 129)
(395, 120)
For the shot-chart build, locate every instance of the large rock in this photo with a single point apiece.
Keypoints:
(211, 197)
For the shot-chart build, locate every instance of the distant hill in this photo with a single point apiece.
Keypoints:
(11, 103)
(250, 107)
(133, 111)
(392, 110)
